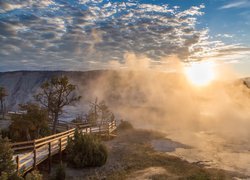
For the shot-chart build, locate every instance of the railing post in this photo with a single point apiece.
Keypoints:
(108, 132)
(34, 152)
(67, 139)
(17, 164)
(60, 150)
(50, 157)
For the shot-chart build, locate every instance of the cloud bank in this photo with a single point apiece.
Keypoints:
(88, 34)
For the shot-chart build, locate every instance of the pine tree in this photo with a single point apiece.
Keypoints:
(56, 93)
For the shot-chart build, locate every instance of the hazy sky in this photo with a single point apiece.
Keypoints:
(90, 34)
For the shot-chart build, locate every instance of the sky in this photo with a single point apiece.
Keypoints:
(96, 34)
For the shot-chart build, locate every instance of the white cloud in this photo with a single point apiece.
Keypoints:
(100, 32)
(236, 4)
(225, 35)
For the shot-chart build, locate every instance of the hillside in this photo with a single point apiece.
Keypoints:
(22, 85)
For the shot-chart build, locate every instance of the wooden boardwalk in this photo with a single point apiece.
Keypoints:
(29, 154)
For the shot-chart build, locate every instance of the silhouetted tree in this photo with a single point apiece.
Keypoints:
(3, 94)
(55, 94)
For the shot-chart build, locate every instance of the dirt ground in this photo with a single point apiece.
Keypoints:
(138, 154)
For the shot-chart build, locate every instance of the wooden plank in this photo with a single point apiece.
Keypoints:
(23, 147)
(25, 156)
(21, 143)
(25, 162)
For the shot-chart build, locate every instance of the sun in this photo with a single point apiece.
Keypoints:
(200, 73)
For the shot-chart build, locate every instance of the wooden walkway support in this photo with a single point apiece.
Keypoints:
(29, 154)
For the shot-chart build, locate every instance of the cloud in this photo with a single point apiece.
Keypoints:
(225, 35)
(236, 4)
(57, 32)
(6, 5)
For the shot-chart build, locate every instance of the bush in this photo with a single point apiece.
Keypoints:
(13, 176)
(5, 133)
(6, 153)
(60, 173)
(199, 176)
(86, 151)
(34, 175)
(31, 124)
(125, 125)
(4, 176)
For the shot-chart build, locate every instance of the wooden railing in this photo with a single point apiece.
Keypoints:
(29, 154)
(64, 125)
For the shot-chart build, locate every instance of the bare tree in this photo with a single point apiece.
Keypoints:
(3, 94)
(55, 94)
(99, 113)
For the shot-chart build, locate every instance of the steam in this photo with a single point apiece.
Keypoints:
(160, 97)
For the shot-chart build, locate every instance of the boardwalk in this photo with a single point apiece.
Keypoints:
(29, 154)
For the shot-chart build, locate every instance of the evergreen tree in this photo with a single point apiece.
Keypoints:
(55, 94)
(6, 154)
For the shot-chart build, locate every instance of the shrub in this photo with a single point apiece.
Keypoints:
(34, 175)
(86, 151)
(6, 153)
(4, 176)
(32, 124)
(5, 133)
(125, 125)
(60, 173)
(199, 176)
(13, 176)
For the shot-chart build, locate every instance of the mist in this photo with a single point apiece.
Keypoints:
(213, 120)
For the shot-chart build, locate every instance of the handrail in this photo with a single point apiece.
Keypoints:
(51, 140)
(54, 135)
(43, 148)
(21, 143)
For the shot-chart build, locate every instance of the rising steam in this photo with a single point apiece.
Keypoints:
(160, 97)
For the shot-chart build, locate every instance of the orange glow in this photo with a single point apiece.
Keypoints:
(200, 73)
